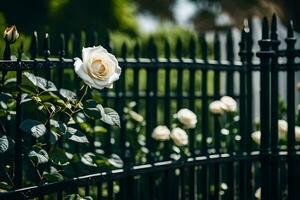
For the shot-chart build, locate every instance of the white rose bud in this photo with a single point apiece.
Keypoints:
(161, 133)
(187, 118)
(256, 137)
(298, 86)
(282, 129)
(258, 194)
(98, 68)
(179, 137)
(216, 107)
(136, 116)
(297, 133)
(11, 34)
(230, 104)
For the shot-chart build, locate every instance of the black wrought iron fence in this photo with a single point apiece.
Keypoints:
(160, 87)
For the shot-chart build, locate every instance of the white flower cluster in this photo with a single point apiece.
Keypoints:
(282, 132)
(188, 120)
(225, 104)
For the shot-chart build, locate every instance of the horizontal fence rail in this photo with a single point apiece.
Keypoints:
(217, 166)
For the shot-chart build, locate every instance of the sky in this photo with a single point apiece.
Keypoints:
(183, 10)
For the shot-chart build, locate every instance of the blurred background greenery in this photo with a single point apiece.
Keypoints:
(127, 20)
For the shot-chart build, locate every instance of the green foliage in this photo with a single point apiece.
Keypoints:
(63, 121)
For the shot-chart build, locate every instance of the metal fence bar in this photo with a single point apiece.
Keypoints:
(217, 128)
(265, 54)
(204, 120)
(290, 41)
(276, 192)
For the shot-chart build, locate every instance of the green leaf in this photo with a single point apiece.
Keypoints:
(28, 89)
(88, 159)
(53, 175)
(30, 77)
(53, 138)
(35, 128)
(77, 197)
(39, 156)
(76, 136)
(68, 94)
(58, 125)
(91, 110)
(116, 161)
(92, 113)
(24, 98)
(4, 144)
(5, 186)
(100, 129)
(59, 157)
(109, 116)
(48, 96)
(45, 84)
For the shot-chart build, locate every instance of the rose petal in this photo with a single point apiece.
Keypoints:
(81, 73)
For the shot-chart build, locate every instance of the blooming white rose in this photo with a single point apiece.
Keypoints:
(161, 133)
(98, 68)
(187, 118)
(216, 107)
(11, 34)
(230, 104)
(258, 194)
(282, 129)
(179, 137)
(256, 137)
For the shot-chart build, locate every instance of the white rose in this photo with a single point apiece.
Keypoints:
(187, 118)
(161, 133)
(256, 137)
(179, 137)
(282, 129)
(216, 107)
(11, 34)
(230, 104)
(258, 194)
(297, 133)
(98, 68)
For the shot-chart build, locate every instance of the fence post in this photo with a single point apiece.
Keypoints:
(249, 104)
(265, 54)
(151, 111)
(275, 188)
(204, 119)
(243, 114)
(18, 146)
(217, 127)
(192, 54)
(230, 59)
(290, 54)
(46, 53)
(169, 175)
(230, 92)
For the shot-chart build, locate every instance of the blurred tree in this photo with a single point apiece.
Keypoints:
(26, 14)
(70, 15)
(240, 9)
(160, 8)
